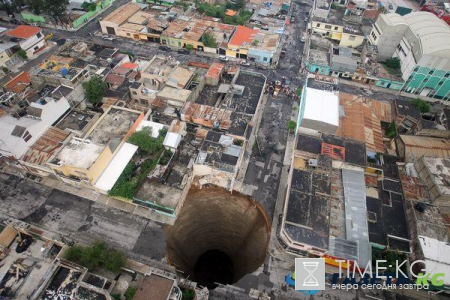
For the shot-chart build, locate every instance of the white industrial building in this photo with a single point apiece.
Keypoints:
(417, 39)
(319, 111)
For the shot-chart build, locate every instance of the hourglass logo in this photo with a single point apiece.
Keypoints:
(309, 274)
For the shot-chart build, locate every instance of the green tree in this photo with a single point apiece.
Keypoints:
(89, 6)
(22, 54)
(95, 89)
(125, 189)
(391, 131)
(114, 261)
(420, 104)
(292, 126)
(55, 8)
(92, 257)
(130, 292)
(393, 63)
(189, 47)
(209, 40)
(146, 143)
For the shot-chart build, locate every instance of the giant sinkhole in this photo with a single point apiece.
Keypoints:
(218, 236)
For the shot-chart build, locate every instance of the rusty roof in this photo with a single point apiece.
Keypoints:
(45, 146)
(114, 79)
(215, 70)
(362, 121)
(19, 83)
(418, 146)
(122, 14)
(154, 287)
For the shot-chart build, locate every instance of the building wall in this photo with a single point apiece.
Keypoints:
(32, 44)
(171, 42)
(351, 40)
(4, 59)
(261, 56)
(87, 16)
(330, 30)
(389, 84)
(408, 62)
(435, 195)
(319, 69)
(429, 82)
(32, 17)
(105, 24)
(386, 38)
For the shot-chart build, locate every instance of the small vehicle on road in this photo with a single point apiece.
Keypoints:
(223, 58)
(244, 63)
(183, 51)
(107, 38)
(165, 48)
(292, 20)
(261, 67)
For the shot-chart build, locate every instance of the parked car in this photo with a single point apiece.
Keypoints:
(223, 58)
(165, 48)
(244, 63)
(183, 51)
(60, 42)
(107, 38)
(292, 20)
(261, 67)
(306, 19)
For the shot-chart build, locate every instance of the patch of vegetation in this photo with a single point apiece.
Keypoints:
(94, 89)
(165, 157)
(218, 11)
(116, 296)
(188, 294)
(189, 47)
(209, 40)
(185, 5)
(292, 126)
(89, 6)
(393, 63)
(130, 292)
(129, 181)
(238, 142)
(391, 131)
(391, 258)
(53, 8)
(98, 255)
(5, 69)
(147, 144)
(334, 6)
(22, 54)
(422, 105)
(255, 42)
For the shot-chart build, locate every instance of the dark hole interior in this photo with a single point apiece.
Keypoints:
(214, 266)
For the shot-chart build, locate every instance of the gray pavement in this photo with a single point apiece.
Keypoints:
(80, 219)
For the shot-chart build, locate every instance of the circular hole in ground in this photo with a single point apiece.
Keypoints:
(218, 237)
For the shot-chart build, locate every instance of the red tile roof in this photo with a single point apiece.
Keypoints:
(24, 31)
(243, 35)
(215, 70)
(230, 13)
(129, 65)
(18, 83)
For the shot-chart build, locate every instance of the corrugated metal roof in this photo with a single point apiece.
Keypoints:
(418, 146)
(356, 226)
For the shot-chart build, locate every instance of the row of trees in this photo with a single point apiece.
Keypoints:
(55, 8)
(218, 11)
